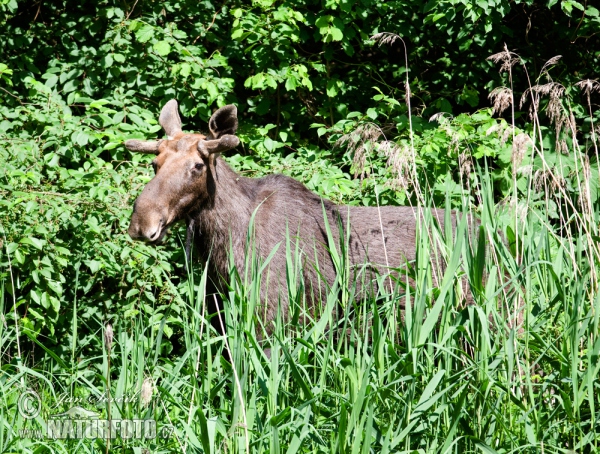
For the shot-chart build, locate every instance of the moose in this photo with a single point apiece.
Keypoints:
(193, 182)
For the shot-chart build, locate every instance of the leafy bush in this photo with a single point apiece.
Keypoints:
(323, 102)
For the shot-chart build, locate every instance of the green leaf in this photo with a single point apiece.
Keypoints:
(70, 86)
(98, 103)
(336, 34)
(237, 33)
(372, 113)
(55, 286)
(93, 265)
(162, 48)
(291, 83)
(4, 69)
(592, 12)
(323, 21)
(332, 88)
(35, 242)
(185, 69)
(145, 33)
(52, 80)
(108, 61)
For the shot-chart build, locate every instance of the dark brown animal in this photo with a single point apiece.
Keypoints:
(195, 184)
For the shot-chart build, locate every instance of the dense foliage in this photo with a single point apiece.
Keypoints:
(321, 90)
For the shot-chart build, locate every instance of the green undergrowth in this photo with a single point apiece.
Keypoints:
(409, 369)
(496, 352)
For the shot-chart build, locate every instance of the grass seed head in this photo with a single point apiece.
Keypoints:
(525, 170)
(506, 133)
(360, 142)
(501, 98)
(547, 180)
(465, 165)
(506, 58)
(108, 336)
(551, 62)
(146, 392)
(400, 161)
(440, 117)
(588, 86)
(385, 38)
(519, 147)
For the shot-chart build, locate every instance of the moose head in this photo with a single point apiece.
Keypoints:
(183, 167)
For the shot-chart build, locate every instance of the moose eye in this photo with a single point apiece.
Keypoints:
(199, 166)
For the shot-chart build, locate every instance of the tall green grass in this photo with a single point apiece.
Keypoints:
(494, 349)
(409, 369)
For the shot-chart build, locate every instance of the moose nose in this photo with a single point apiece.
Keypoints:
(154, 235)
(148, 220)
(134, 232)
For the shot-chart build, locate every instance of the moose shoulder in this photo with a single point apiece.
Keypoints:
(195, 184)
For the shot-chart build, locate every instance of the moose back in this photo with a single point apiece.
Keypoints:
(193, 183)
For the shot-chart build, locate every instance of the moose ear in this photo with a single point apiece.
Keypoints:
(169, 119)
(224, 143)
(223, 121)
(142, 146)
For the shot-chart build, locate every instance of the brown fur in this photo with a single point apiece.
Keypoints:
(194, 183)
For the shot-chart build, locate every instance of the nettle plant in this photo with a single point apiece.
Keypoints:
(65, 205)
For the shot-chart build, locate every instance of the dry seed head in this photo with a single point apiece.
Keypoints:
(535, 101)
(440, 117)
(360, 142)
(465, 165)
(146, 392)
(501, 98)
(359, 161)
(520, 207)
(407, 89)
(546, 179)
(525, 170)
(588, 86)
(552, 61)
(506, 134)
(507, 58)
(554, 111)
(539, 180)
(519, 147)
(525, 96)
(108, 336)
(454, 144)
(562, 147)
(585, 196)
(587, 171)
(385, 38)
(584, 203)
(400, 161)
(495, 127)
(552, 89)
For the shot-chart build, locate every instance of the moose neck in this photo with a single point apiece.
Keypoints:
(224, 216)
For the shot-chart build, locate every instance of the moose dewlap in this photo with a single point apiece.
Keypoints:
(193, 183)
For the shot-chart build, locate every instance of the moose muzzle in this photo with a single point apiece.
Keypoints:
(147, 224)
